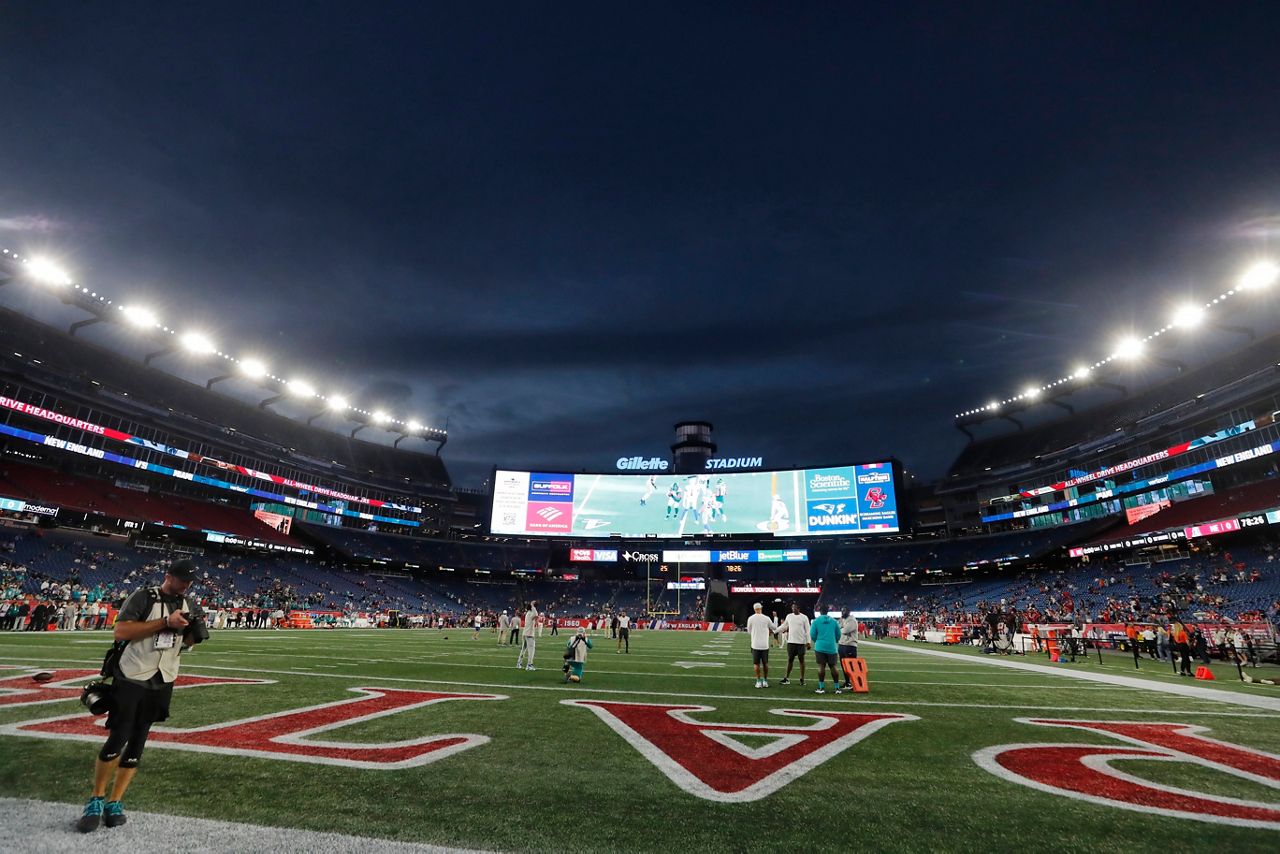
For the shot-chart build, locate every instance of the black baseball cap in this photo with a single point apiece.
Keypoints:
(184, 570)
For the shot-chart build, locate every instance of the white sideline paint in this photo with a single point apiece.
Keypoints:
(40, 826)
(1195, 692)
(771, 696)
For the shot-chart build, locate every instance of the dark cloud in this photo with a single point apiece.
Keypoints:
(562, 228)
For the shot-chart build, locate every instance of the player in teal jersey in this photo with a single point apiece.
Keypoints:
(825, 634)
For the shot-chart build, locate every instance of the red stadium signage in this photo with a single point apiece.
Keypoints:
(1212, 529)
(1136, 514)
(1083, 771)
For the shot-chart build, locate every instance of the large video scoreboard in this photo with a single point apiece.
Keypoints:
(836, 500)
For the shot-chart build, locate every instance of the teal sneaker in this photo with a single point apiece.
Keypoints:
(92, 817)
(114, 814)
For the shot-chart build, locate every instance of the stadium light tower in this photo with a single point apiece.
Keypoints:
(140, 316)
(198, 343)
(413, 428)
(1259, 276)
(46, 272)
(333, 403)
(1187, 316)
(1128, 347)
(251, 368)
(377, 417)
(293, 388)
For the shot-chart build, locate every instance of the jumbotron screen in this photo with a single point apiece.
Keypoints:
(839, 500)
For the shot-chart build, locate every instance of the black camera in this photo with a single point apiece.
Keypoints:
(197, 631)
(96, 697)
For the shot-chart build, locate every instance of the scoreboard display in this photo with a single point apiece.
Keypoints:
(830, 501)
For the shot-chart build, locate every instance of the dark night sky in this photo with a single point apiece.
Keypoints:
(565, 226)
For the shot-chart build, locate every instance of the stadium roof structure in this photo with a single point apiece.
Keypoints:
(197, 345)
(1253, 287)
(1254, 366)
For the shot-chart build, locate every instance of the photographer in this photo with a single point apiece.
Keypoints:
(156, 624)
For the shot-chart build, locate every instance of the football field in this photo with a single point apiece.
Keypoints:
(432, 737)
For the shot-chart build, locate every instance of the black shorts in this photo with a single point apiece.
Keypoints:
(830, 659)
(796, 650)
(135, 705)
(848, 650)
(759, 656)
(623, 634)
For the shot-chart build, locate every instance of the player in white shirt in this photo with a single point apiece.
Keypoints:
(797, 625)
(530, 644)
(692, 502)
(504, 623)
(479, 621)
(624, 632)
(778, 515)
(760, 628)
(650, 487)
(721, 491)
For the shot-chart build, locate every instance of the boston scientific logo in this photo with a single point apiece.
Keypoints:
(829, 483)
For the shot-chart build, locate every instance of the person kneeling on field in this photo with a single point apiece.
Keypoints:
(575, 656)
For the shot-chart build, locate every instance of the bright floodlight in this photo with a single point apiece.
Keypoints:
(253, 368)
(1188, 316)
(1031, 392)
(141, 317)
(1261, 275)
(198, 342)
(337, 403)
(302, 388)
(46, 272)
(380, 417)
(414, 426)
(993, 405)
(1128, 348)
(1081, 372)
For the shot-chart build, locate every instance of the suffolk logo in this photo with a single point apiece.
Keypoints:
(550, 514)
(726, 762)
(829, 508)
(875, 498)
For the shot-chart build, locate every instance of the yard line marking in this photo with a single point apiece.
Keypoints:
(770, 696)
(1189, 691)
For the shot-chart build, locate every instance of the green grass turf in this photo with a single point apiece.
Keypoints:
(555, 778)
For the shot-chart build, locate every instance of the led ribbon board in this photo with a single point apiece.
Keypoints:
(140, 465)
(128, 438)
